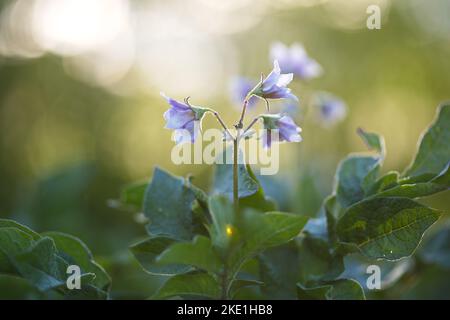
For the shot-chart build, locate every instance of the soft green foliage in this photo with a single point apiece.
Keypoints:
(42, 260)
(212, 251)
(215, 254)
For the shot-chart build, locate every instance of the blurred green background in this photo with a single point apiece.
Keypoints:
(81, 114)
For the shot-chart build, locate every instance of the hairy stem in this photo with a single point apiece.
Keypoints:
(251, 124)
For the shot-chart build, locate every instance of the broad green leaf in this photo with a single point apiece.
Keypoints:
(386, 228)
(148, 250)
(351, 177)
(433, 153)
(199, 285)
(271, 228)
(317, 261)
(167, 204)
(198, 253)
(279, 271)
(41, 265)
(13, 241)
(243, 280)
(342, 289)
(74, 251)
(6, 223)
(264, 230)
(258, 200)
(223, 226)
(373, 141)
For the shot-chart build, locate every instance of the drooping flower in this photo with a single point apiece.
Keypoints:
(274, 86)
(184, 118)
(329, 110)
(294, 59)
(279, 128)
(240, 87)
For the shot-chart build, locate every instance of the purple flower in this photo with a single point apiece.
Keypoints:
(279, 128)
(184, 119)
(240, 87)
(329, 109)
(274, 85)
(295, 60)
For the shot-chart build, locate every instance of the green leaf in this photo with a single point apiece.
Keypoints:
(434, 152)
(373, 141)
(412, 191)
(148, 250)
(167, 203)
(258, 200)
(342, 289)
(241, 282)
(13, 242)
(6, 223)
(74, 251)
(317, 261)
(41, 265)
(271, 228)
(352, 175)
(37, 259)
(261, 231)
(279, 271)
(198, 253)
(222, 215)
(389, 180)
(199, 285)
(386, 228)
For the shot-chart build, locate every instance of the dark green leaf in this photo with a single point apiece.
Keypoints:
(198, 253)
(387, 228)
(148, 250)
(352, 175)
(167, 204)
(74, 251)
(258, 200)
(200, 285)
(342, 289)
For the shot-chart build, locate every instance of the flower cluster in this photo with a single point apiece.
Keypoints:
(288, 62)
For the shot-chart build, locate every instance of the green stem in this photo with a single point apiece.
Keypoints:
(235, 174)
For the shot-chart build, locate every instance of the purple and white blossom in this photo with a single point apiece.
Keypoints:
(184, 119)
(329, 110)
(294, 59)
(240, 87)
(279, 128)
(274, 86)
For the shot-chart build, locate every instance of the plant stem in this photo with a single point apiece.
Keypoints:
(216, 114)
(251, 124)
(235, 174)
(241, 119)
